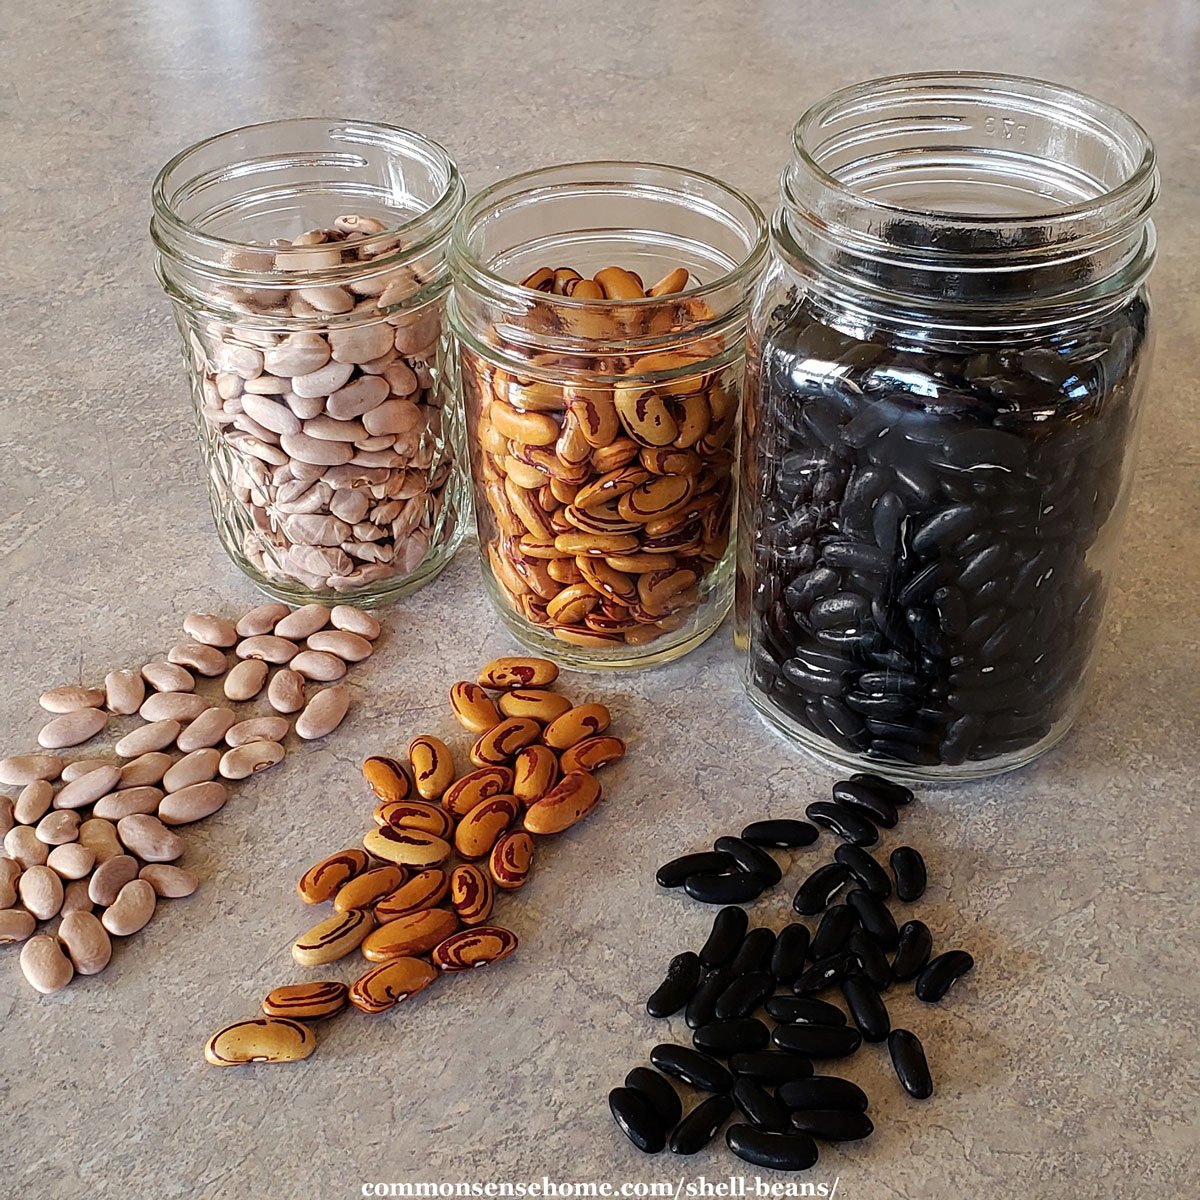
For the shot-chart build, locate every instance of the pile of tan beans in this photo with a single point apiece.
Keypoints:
(399, 899)
(105, 839)
(605, 505)
(334, 433)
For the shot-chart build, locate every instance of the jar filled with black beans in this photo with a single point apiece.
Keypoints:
(947, 358)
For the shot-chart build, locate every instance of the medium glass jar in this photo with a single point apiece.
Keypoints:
(947, 356)
(600, 313)
(305, 261)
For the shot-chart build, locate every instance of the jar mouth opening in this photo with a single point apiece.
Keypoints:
(329, 142)
(719, 201)
(833, 139)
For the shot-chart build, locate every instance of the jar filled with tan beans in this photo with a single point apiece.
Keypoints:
(600, 312)
(305, 260)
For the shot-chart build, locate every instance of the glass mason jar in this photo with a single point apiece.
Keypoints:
(947, 356)
(600, 312)
(305, 262)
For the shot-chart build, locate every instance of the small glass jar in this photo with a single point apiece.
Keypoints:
(947, 357)
(600, 313)
(305, 262)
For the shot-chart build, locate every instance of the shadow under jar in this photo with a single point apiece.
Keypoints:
(306, 264)
(600, 312)
(947, 356)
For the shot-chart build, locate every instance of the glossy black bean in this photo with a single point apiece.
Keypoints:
(908, 1058)
(944, 528)
(885, 521)
(847, 725)
(871, 959)
(744, 994)
(912, 951)
(728, 928)
(701, 1071)
(874, 916)
(759, 1107)
(810, 587)
(865, 869)
(833, 1124)
(771, 1066)
(897, 793)
(867, 801)
(857, 556)
(738, 888)
(702, 1007)
(822, 1092)
(941, 974)
(817, 1041)
(908, 867)
(825, 974)
(750, 858)
(892, 751)
(837, 818)
(754, 954)
(867, 1008)
(700, 1126)
(637, 1119)
(804, 1010)
(875, 704)
(682, 978)
(813, 683)
(739, 1036)
(782, 832)
(819, 888)
(789, 953)
(776, 1151)
(833, 932)
(674, 874)
(664, 1099)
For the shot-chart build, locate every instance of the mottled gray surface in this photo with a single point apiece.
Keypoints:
(1066, 1065)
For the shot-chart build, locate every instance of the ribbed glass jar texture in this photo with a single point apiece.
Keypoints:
(306, 265)
(600, 313)
(947, 356)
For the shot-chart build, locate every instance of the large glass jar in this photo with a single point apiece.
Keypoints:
(305, 261)
(600, 315)
(947, 356)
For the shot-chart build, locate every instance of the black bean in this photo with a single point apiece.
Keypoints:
(637, 1119)
(817, 1041)
(875, 917)
(839, 610)
(941, 974)
(675, 873)
(782, 832)
(744, 994)
(822, 1092)
(909, 869)
(867, 872)
(789, 953)
(912, 951)
(833, 1124)
(683, 976)
(864, 800)
(871, 959)
(750, 859)
(897, 793)
(664, 1099)
(819, 888)
(944, 528)
(702, 1007)
(700, 1070)
(739, 1036)
(738, 888)
(760, 1108)
(700, 1126)
(804, 1010)
(908, 1057)
(728, 929)
(826, 974)
(771, 1066)
(778, 1151)
(833, 932)
(866, 1007)
(754, 954)
(840, 820)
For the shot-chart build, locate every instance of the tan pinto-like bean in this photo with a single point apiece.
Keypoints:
(473, 707)
(478, 831)
(86, 942)
(364, 890)
(464, 794)
(324, 879)
(583, 721)
(591, 754)
(432, 763)
(265, 1040)
(426, 889)
(169, 881)
(307, 1001)
(333, 938)
(472, 893)
(387, 777)
(409, 935)
(414, 814)
(44, 964)
(406, 847)
(500, 743)
(535, 770)
(568, 802)
(131, 910)
(537, 704)
(511, 860)
(390, 983)
(472, 948)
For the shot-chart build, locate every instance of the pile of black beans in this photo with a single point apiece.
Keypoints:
(764, 1068)
(922, 564)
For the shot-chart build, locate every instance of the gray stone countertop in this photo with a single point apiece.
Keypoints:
(1065, 1065)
